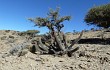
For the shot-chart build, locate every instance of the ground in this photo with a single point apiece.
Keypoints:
(88, 57)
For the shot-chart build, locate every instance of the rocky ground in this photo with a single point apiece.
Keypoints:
(88, 57)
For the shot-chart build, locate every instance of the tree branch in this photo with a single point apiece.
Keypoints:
(76, 41)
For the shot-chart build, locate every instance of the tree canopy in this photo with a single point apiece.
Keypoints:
(53, 19)
(99, 16)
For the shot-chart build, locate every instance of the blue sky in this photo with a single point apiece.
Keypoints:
(14, 13)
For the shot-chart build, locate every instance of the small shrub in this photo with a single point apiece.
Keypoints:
(3, 38)
(7, 31)
(10, 36)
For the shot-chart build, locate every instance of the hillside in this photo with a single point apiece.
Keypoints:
(88, 57)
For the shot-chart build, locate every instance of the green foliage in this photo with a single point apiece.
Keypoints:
(30, 32)
(99, 16)
(52, 20)
(39, 21)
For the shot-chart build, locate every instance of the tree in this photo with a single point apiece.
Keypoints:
(55, 42)
(99, 16)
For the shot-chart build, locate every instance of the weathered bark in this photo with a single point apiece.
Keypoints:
(69, 52)
(76, 41)
(58, 46)
(35, 47)
(65, 41)
(58, 41)
(42, 46)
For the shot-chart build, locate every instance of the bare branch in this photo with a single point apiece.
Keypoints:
(76, 41)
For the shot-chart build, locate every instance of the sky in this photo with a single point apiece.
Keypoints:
(14, 14)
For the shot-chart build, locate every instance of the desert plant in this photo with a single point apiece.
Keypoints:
(32, 32)
(99, 16)
(29, 32)
(7, 31)
(4, 38)
(58, 43)
(10, 36)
